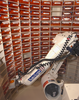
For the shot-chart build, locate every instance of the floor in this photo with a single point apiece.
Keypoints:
(33, 92)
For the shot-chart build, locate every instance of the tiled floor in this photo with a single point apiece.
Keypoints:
(33, 92)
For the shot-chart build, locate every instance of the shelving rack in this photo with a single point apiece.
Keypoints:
(27, 29)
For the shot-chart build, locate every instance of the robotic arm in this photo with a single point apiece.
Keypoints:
(64, 43)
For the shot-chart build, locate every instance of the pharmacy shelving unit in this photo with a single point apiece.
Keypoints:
(27, 30)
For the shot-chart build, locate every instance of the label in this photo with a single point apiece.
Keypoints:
(15, 5)
(27, 45)
(16, 29)
(16, 35)
(18, 52)
(35, 22)
(5, 10)
(67, 8)
(26, 40)
(34, 75)
(25, 0)
(46, 8)
(76, 18)
(25, 6)
(15, 11)
(35, 28)
(36, 13)
(4, 2)
(77, 13)
(35, 18)
(6, 30)
(16, 17)
(77, 7)
(17, 41)
(35, 2)
(46, 28)
(17, 47)
(7, 22)
(25, 28)
(25, 22)
(45, 18)
(57, 3)
(67, 13)
(36, 7)
(25, 18)
(26, 12)
(36, 38)
(6, 17)
(45, 13)
(46, 2)
(67, 2)
(15, 22)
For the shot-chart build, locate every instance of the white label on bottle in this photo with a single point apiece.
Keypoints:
(18, 58)
(6, 17)
(25, 6)
(35, 43)
(67, 2)
(18, 52)
(35, 28)
(35, 18)
(66, 18)
(19, 63)
(76, 18)
(67, 8)
(25, 22)
(36, 48)
(45, 33)
(7, 30)
(67, 13)
(36, 57)
(17, 47)
(7, 22)
(65, 28)
(15, 5)
(7, 37)
(27, 45)
(35, 2)
(35, 52)
(45, 28)
(36, 38)
(45, 42)
(46, 8)
(35, 33)
(46, 2)
(16, 29)
(26, 12)
(16, 35)
(45, 38)
(75, 28)
(35, 22)
(25, 0)
(25, 28)
(16, 17)
(45, 18)
(10, 56)
(77, 13)
(77, 7)
(11, 68)
(15, 22)
(45, 13)
(4, 2)
(26, 40)
(15, 11)
(10, 62)
(66, 22)
(55, 18)
(57, 3)
(5, 10)
(77, 1)
(36, 7)
(55, 22)
(9, 50)
(25, 18)
(76, 22)
(36, 13)
(27, 64)
(56, 28)
(17, 41)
